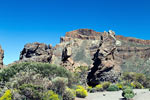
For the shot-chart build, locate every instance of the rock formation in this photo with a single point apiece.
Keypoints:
(37, 52)
(1, 57)
(78, 47)
(104, 67)
(84, 34)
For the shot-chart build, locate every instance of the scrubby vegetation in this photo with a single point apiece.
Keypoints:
(128, 93)
(136, 64)
(7, 95)
(38, 81)
(42, 81)
(113, 87)
(130, 80)
(81, 92)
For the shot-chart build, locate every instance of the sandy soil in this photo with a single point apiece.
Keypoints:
(141, 94)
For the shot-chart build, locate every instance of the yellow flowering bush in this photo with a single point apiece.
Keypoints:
(133, 85)
(81, 92)
(7, 95)
(119, 85)
(50, 95)
(99, 87)
(80, 87)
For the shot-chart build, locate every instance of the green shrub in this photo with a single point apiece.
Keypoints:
(134, 77)
(81, 92)
(137, 85)
(31, 92)
(99, 87)
(112, 88)
(50, 95)
(69, 94)
(45, 69)
(7, 95)
(28, 77)
(59, 84)
(146, 84)
(128, 93)
(91, 89)
(105, 85)
(141, 78)
(129, 76)
(80, 75)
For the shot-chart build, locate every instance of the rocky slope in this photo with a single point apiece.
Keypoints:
(1, 57)
(79, 47)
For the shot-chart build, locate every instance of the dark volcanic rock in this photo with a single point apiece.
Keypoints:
(37, 52)
(104, 67)
(1, 57)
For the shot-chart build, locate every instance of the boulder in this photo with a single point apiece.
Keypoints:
(37, 52)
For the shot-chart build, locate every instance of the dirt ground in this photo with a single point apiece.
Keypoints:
(141, 94)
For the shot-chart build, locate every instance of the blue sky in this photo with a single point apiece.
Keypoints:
(26, 21)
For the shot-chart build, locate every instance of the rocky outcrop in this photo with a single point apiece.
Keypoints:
(104, 67)
(84, 34)
(37, 52)
(67, 62)
(1, 57)
(78, 47)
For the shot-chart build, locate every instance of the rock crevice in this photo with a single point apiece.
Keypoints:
(104, 61)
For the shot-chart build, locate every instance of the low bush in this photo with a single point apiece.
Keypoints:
(146, 84)
(69, 94)
(137, 85)
(59, 84)
(7, 95)
(80, 75)
(45, 69)
(113, 87)
(105, 85)
(99, 87)
(91, 90)
(28, 77)
(128, 93)
(50, 95)
(81, 92)
(119, 85)
(31, 92)
(79, 87)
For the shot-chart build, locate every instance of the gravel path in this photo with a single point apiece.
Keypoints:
(141, 94)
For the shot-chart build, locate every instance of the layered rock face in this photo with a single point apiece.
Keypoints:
(104, 67)
(82, 44)
(37, 52)
(79, 47)
(1, 57)
(84, 34)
